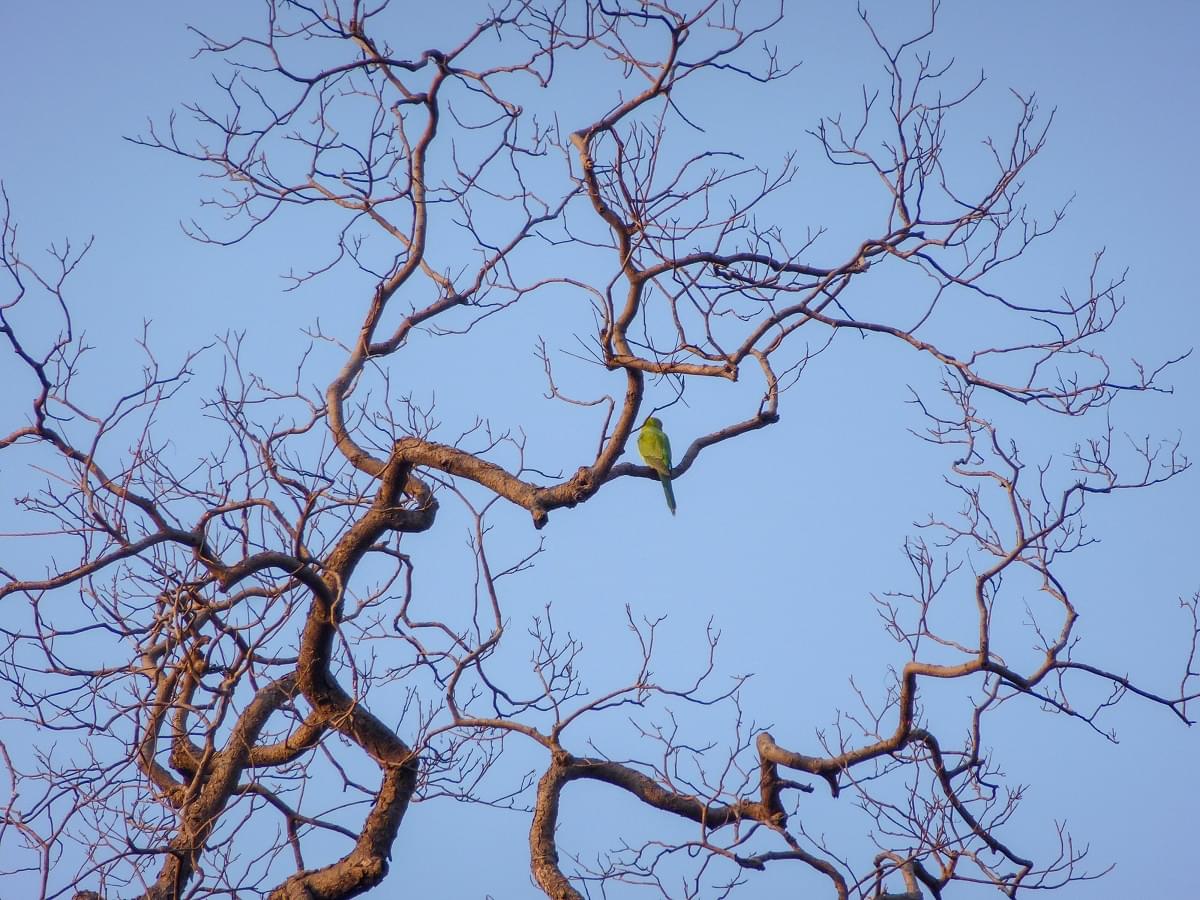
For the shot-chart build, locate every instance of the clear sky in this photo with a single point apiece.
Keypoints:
(782, 539)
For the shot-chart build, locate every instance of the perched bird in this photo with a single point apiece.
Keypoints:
(656, 451)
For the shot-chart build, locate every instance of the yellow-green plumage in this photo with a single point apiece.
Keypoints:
(656, 451)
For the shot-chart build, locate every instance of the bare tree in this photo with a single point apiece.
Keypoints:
(217, 640)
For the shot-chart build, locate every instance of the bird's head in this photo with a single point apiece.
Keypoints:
(652, 422)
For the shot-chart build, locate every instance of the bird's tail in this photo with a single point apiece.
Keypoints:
(667, 489)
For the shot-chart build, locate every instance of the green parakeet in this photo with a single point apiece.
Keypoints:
(656, 451)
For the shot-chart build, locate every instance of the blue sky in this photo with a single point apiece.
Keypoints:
(780, 539)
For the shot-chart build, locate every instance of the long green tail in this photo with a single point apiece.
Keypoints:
(666, 483)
